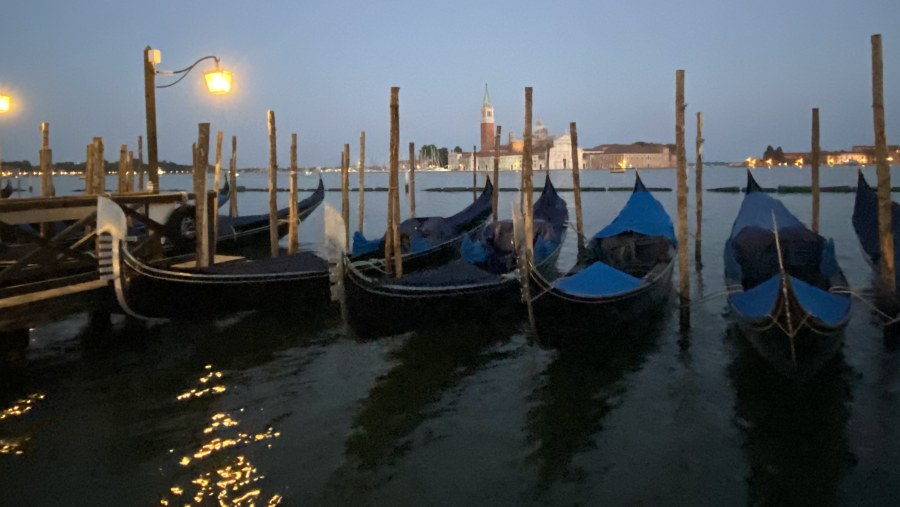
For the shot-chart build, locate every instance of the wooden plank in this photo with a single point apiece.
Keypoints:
(34, 297)
(217, 260)
(37, 210)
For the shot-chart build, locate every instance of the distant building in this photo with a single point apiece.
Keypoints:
(487, 122)
(843, 158)
(560, 154)
(637, 155)
(554, 153)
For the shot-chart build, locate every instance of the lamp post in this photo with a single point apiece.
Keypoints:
(218, 81)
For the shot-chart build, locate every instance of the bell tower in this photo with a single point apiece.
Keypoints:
(487, 122)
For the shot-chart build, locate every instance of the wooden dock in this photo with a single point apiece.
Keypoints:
(47, 276)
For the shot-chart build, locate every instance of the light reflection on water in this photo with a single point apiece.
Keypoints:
(17, 444)
(220, 472)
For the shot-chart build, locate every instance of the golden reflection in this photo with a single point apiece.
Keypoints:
(22, 407)
(205, 387)
(234, 483)
(14, 445)
(222, 479)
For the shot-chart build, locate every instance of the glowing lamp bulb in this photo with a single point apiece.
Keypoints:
(4, 103)
(218, 81)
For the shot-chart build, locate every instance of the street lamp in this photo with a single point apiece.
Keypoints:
(4, 103)
(218, 81)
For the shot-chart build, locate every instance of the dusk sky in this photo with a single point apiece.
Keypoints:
(755, 70)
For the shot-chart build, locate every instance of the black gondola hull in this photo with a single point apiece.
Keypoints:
(375, 311)
(565, 320)
(813, 349)
(192, 296)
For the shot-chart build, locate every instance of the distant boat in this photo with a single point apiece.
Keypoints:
(620, 168)
(786, 289)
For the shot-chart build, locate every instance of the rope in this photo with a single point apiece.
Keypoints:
(888, 320)
(546, 286)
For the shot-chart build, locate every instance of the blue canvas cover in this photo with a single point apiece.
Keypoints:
(757, 209)
(492, 248)
(489, 252)
(751, 259)
(642, 214)
(751, 253)
(759, 302)
(597, 280)
(421, 233)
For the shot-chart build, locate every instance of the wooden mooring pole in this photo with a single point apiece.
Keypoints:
(217, 176)
(576, 188)
(474, 174)
(273, 187)
(495, 197)
(883, 169)
(46, 161)
(140, 163)
(362, 181)
(99, 170)
(528, 212)
(684, 286)
(122, 185)
(294, 218)
(232, 180)
(345, 192)
(412, 180)
(698, 195)
(394, 187)
(814, 165)
(89, 169)
(129, 182)
(201, 218)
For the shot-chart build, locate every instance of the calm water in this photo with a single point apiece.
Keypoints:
(255, 410)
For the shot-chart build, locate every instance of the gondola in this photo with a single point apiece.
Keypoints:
(164, 290)
(623, 274)
(481, 284)
(7, 190)
(428, 241)
(224, 194)
(234, 233)
(786, 289)
(865, 223)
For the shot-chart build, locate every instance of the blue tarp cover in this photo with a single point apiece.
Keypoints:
(362, 246)
(756, 210)
(426, 232)
(642, 214)
(758, 302)
(597, 280)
